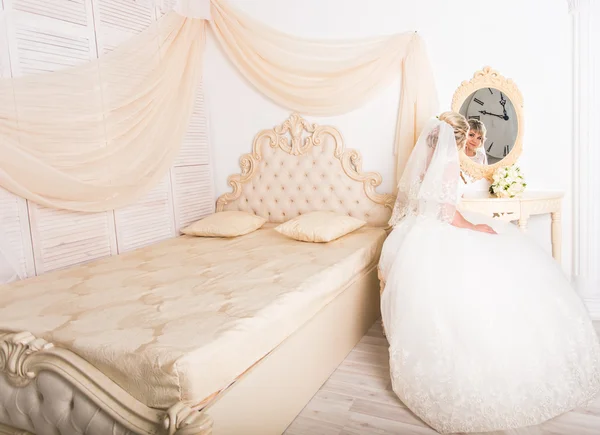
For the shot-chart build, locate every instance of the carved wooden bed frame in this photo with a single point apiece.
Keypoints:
(260, 401)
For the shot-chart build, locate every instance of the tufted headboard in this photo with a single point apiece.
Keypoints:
(299, 167)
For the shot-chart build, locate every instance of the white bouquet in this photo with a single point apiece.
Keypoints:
(508, 182)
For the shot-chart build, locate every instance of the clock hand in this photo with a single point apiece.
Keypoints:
(493, 114)
(503, 103)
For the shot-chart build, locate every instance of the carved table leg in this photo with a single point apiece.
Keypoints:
(556, 235)
(523, 222)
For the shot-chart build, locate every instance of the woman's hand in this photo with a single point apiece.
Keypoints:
(484, 229)
(460, 222)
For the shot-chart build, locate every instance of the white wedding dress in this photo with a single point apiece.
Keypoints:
(485, 331)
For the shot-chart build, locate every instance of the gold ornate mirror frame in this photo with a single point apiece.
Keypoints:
(489, 78)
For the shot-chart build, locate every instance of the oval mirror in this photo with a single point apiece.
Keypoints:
(493, 106)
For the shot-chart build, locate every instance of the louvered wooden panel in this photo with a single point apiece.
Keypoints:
(164, 6)
(109, 39)
(48, 40)
(4, 48)
(71, 11)
(14, 221)
(62, 238)
(129, 15)
(148, 221)
(195, 147)
(46, 51)
(193, 193)
(15, 226)
(43, 43)
(112, 30)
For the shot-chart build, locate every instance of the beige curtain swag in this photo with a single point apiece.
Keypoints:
(98, 136)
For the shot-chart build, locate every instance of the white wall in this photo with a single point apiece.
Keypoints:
(528, 41)
(586, 24)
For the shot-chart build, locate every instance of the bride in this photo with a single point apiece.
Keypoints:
(485, 331)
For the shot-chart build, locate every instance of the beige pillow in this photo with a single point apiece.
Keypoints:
(319, 226)
(225, 224)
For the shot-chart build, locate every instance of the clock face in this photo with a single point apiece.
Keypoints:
(496, 111)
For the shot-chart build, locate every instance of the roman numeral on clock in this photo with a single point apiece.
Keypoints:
(490, 147)
(506, 150)
(490, 91)
(474, 117)
(478, 101)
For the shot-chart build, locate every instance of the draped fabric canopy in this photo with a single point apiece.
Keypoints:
(98, 136)
(331, 78)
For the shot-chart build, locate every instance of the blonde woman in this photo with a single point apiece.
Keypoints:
(475, 140)
(485, 331)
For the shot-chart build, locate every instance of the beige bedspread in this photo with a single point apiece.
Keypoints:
(182, 319)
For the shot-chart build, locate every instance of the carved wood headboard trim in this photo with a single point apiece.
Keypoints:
(297, 137)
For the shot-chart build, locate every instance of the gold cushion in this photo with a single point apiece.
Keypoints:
(319, 226)
(225, 224)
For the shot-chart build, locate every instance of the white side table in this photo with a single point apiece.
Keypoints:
(520, 209)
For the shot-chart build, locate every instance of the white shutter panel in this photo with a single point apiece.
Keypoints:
(150, 219)
(193, 186)
(124, 15)
(117, 20)
(4, 51)
(41, 51)
(63, 238)
(49, 36)
(42, 44)
(195, 147)
(44, 35)
(193, 192)
(71, 11)
(164, 6)
(147, 221)
(15, 226)
(14, 220)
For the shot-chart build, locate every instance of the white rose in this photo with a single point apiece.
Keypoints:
(515, 189)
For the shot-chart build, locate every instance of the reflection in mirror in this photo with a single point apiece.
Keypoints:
(475, 140)
(499, 126)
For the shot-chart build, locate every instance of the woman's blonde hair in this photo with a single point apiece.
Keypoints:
(459, 124)
(478, 127)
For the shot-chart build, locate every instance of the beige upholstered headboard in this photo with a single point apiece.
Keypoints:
(299, 167)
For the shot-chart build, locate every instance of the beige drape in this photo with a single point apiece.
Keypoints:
(331, 78)
(98, 136)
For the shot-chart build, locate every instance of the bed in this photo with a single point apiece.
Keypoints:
(203, 335)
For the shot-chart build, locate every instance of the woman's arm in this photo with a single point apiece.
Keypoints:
(460, 222)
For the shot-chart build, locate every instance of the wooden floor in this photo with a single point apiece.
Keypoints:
(358, 400)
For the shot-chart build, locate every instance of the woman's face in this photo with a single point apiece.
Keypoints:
(474, 141)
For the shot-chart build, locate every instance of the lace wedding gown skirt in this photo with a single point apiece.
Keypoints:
(485, 331)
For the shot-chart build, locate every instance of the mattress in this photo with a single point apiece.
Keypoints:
(182, 319)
